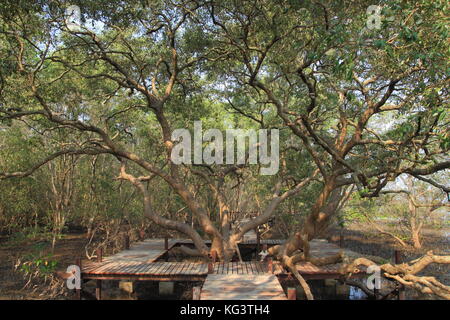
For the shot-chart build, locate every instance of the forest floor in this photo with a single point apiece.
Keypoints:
(12, 281)
(358, 238)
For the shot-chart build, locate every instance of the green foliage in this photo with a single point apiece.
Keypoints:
(326, 44)
(37, 263)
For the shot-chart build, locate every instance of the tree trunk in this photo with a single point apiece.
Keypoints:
(414, 227)
(416, 238)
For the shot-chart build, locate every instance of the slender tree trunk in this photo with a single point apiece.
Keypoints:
(414, 226)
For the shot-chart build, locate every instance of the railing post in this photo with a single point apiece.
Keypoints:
(292, 294)
(99, 254)
(166, 243)
(341, 240)
(98, 287)
(258, 239)
(212, 261)
(210, 267)
(269, 265)
(401, 287)
(196, 292)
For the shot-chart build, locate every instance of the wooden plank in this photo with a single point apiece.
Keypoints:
(182, 267)
(142, 267)
(197, 268)
(188, 268)
(240, 268)
(145, 268)
(99, 267)
(172, 269)
(242, 286)
(249, 267)
(157, 267)
(131, 268)
(104, 267)
(136, 261)
(109, 268)
(122, 269)
(176, 268)
(244, 267)
(252, 267)
(256, 267)
(204, 268)
(261, 268)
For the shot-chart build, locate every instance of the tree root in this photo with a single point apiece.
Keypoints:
(187, 251)
(296, 250)
(289, 263)
(405, 273)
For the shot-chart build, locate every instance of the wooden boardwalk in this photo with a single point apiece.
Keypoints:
(140, 262)
(251, 280)
(144, 251)
(171, 270)
(246, 267)
(242, 287)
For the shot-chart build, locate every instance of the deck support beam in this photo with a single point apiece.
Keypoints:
(292, 294)
(98, 290)
(196, 292)
(270, 265)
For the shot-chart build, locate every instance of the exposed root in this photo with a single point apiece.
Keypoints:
(428, 285)
(289, 263)
(405, 273)
(187, 251)
(296, 250)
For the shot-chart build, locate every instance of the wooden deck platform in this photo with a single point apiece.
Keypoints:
(246, 267)
(242, 287)
(172, 271)
(144, 251)
(252, 280)
(140, 263)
